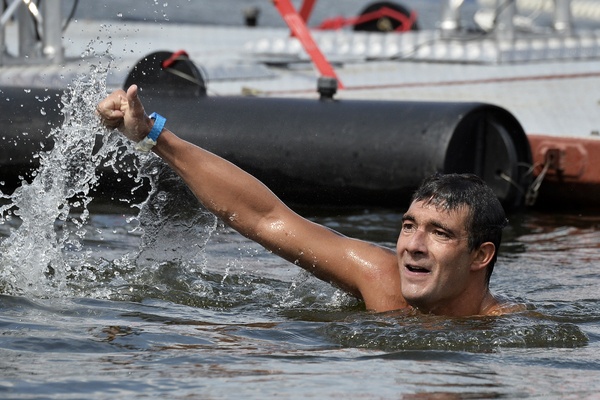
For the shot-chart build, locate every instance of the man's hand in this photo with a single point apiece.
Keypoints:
(124, 111)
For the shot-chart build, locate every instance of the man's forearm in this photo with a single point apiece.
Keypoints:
(233, 195)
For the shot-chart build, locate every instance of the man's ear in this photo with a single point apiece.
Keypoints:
(483, 256)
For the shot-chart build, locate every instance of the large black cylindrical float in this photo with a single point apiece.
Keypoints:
(349, 152)
(355, 152)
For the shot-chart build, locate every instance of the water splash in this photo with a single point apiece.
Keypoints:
(53, 208)
(45, 254)
(174, 230)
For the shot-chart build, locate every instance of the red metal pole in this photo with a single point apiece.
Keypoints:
(306, 9)
(300, 31)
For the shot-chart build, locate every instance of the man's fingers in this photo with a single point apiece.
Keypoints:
(124, 111)
(112, 103)
(110, 111)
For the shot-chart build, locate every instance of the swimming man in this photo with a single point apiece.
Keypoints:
(446, 249)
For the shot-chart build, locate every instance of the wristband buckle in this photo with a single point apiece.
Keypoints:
(147, 143)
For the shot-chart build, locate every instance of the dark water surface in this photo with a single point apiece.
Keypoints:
(105, 299)
(230, 320)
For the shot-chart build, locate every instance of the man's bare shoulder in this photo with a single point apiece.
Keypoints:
(503, 307)
(380, 280)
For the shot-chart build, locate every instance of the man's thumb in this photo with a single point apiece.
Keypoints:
(132, 97)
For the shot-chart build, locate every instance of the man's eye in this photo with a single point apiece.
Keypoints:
(441, 234)
(406, 227)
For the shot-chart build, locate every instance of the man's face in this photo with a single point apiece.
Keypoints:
(434, 257)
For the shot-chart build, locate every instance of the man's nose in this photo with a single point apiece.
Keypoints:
(416, 242)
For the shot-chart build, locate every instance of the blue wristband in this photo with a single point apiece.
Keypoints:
(149, 141)
(159, 124)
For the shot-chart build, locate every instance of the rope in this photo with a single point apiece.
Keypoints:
(534, 188)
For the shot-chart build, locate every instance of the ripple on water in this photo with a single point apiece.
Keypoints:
(468, 334)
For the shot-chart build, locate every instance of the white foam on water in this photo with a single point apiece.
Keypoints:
(53, 208)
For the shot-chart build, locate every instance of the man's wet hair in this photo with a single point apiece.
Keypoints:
(486, 217)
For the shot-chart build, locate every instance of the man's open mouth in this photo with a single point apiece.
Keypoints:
(416, 269)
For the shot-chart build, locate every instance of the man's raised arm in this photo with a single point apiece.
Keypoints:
(248, 206)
